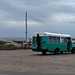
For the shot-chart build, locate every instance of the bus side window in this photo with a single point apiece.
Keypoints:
(50, 38)
(54, 39)
(58, 39)
(62, 40)
(65, 40)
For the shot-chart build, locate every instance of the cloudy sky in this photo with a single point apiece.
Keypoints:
(56, 16)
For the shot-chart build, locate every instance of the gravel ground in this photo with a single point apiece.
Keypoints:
(27, 62)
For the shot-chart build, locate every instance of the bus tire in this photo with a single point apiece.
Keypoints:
(56, 52)
(73, 51)
(61, 52)
(44, 52)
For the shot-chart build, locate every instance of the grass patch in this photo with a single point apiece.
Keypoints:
(11, 47)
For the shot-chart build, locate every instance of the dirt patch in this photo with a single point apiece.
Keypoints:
(29, 61)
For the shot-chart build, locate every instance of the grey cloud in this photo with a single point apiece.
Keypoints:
(40, 11)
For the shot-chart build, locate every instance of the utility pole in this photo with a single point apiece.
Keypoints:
(26, 31)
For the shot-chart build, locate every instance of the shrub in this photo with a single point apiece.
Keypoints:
(2, 42)
(19, 42)
(7, 47)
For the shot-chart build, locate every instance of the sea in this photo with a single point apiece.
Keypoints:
(7, 39)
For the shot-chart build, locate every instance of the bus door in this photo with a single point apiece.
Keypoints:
(68, 44)
(38, 42)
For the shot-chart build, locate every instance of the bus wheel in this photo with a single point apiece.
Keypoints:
(73, 51)
(56, 52)
(61, 52)
(44, 52)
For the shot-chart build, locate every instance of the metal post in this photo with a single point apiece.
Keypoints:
(26, 29)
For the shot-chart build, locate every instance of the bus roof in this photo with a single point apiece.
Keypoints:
(50, 34)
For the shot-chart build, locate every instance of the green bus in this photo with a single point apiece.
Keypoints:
(52, 42)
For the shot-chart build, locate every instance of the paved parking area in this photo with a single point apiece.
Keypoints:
(27, 62)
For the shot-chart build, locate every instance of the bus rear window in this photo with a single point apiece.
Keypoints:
(33, 39)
